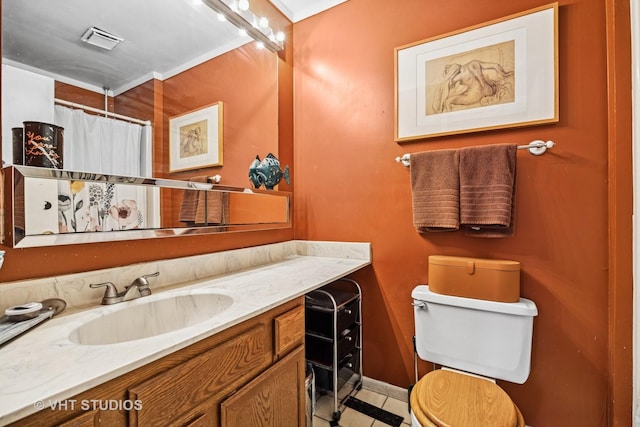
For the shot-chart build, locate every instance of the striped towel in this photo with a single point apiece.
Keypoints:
(196, 202)
(487, 190)
(435, 190)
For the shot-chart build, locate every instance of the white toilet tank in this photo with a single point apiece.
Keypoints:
(488, 338)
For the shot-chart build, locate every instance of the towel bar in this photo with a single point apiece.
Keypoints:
(537, 148)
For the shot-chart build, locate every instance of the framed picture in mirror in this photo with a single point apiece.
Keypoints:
(195, 138)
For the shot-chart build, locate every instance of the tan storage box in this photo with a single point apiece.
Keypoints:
(486, 279)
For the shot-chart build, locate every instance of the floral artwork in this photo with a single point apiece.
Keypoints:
(126, 213)
(92, 207)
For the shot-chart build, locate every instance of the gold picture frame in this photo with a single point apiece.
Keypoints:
(196, 138)
(498, 74)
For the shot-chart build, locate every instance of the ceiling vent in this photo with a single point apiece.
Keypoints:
(101, 38)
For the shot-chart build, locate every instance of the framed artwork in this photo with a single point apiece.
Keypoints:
(495, 75)
(195, 139)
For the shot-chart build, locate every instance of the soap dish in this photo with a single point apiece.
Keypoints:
(11, 328)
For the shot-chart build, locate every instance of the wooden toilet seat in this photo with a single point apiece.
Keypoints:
(478, 402)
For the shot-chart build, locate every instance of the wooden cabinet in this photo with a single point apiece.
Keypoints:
(88, 419)
(223, 368)
(248, 370)
(206, 413)
(275, 398)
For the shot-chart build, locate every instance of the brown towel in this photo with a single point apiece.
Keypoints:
(215, 207)
(487, 190)
(189, 205)
(196, 202)
(435, 190)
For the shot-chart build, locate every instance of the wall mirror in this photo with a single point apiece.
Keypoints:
(174, 58)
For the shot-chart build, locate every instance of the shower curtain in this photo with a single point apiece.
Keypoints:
(104, 145)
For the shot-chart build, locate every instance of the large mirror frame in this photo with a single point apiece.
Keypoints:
(16, 233)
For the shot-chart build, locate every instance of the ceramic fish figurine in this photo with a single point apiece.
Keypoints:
(253, 173)
(267, 172)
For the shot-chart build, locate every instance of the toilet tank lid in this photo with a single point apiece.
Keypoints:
(524, 307)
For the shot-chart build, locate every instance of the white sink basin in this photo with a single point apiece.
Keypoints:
(145, 318)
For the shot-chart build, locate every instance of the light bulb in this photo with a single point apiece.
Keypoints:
(221, 17)
(260, 45)
(280, 36)
(263, 22)
(243, 4)
(242, 32)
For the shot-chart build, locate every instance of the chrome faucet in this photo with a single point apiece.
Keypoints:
(138, 288)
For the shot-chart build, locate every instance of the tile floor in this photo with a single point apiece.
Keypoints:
(352, 418)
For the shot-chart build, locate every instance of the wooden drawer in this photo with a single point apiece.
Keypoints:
(169, 394)
(288, 331)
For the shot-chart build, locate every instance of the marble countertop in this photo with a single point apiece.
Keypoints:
(44, 366)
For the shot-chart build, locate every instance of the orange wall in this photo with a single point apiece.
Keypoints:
(81, 96)
(245, 80)
(349, 188)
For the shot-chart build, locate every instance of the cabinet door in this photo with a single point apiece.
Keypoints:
(202, 415)
(275, 398)
(88, 419)
(219, 370)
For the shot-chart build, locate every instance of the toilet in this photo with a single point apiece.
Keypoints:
(475, 341)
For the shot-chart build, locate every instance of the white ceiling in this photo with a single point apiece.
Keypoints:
(297, 10)
(161, 38)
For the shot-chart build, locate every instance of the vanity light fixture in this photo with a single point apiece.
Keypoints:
(97, 37)
(244, 19)
(243, 5)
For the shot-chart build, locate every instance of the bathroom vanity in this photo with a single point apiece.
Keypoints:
(257, 365)
(245, 363)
